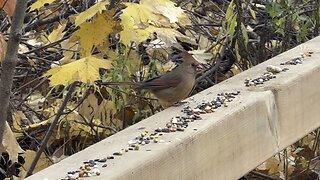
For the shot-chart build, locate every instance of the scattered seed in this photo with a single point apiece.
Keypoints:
(225, 104)
(173, 129)
(285, 69)
(119, 153)
(110, 157)
(132, 142)
(165, 130)
(294, 61)
(70, 176)
(159, 129)
(82, 173)
(71, 172)
(87, 167)
(96, 171)
(102, 160)
(174, 120)
(273, 69)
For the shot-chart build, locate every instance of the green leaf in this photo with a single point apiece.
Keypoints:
(232, 25)
(252, 13)
(274, 10)
(230, 11)
(245, 34)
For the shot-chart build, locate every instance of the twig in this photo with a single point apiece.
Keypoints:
(85, 122)
(50, 130)
(48, 21)
(264, 175)
(32, 90)
(80, 102)
(48, 45)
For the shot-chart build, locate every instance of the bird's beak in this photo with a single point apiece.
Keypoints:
(200, 68)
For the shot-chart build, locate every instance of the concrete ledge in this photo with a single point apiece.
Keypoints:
(227, 143)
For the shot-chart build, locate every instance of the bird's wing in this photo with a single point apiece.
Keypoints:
(161, 82)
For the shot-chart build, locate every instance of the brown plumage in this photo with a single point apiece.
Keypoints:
(173, 86)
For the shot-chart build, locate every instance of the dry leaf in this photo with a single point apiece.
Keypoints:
(92, 110)
(10, 144)
(8, 6)
(43, 162)
(40, 3)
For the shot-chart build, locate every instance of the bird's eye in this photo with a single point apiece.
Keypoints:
(193, 65)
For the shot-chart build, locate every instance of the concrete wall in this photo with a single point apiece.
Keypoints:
(227, 143)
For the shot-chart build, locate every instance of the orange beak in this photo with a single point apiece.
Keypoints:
(200, 68)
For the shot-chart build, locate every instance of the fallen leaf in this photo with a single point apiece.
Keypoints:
(43, 162)
(85, 70)
(8, 6)
(40, 3)
(10, 145)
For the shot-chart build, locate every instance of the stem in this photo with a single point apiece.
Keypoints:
(10, 61)
(50, 130)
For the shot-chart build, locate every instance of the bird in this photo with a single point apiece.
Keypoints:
(173, 86)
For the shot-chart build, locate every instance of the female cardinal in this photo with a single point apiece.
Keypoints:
(173, 86)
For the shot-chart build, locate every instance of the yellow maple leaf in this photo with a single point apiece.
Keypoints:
(56, 34)
(72, 47)
(96, 33)
(168, 9)
(167, 35)
(138, 35)
(140, 16)
(140, 21)
(40, 3)
(89, 13)
(85, 70)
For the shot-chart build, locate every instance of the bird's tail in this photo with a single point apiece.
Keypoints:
(135, 85)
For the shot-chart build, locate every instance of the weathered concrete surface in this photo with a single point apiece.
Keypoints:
(229, 142)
